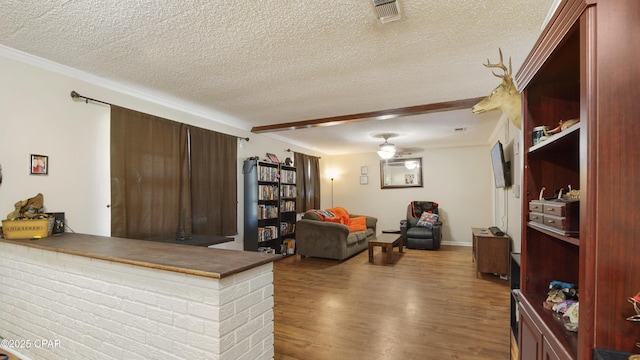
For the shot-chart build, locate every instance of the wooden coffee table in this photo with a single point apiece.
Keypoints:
(387, 242)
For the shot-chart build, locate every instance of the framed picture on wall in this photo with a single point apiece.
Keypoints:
(401, 173)
(39, 165)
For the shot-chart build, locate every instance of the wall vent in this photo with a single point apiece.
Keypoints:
(387, 10)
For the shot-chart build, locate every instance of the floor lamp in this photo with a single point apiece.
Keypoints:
(331, 192)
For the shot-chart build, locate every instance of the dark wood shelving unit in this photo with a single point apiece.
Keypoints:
(551, 232)
(584, 66)
(269, 204)
(288, 208)
(555, 142)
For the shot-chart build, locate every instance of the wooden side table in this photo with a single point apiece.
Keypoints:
(490, 252)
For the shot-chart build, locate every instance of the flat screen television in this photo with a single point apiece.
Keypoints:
(501, 168)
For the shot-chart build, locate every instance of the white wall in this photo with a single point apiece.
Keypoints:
(507, 205)
(39, 117)
(458, 178)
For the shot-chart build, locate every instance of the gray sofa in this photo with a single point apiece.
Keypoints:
(331, 240)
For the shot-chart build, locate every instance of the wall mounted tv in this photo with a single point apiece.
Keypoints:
(501, 168)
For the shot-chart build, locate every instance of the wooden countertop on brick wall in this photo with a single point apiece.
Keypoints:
(194, 260)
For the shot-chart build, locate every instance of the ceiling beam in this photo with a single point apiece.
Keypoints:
(381, 114)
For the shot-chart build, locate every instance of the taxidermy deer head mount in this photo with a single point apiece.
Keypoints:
(505, 97)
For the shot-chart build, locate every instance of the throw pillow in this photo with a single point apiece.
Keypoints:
(427, 220)
(324, 214)
(358, 223)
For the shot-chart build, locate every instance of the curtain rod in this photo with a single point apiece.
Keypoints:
(75, 95)
(289, 150)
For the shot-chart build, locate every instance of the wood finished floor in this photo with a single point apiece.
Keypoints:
(426, 305)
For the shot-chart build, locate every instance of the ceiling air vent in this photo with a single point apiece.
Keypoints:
(387, 10)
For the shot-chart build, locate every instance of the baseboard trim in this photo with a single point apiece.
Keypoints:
(456, 243)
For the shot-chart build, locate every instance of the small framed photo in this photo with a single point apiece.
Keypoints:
(364, 180)
(273, 158)
(364, 170)
(39, 165)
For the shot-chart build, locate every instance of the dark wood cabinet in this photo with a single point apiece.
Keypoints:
(541, 333)
(548, 352)
(584, 66)
(530, 337)
(491, 253)
(514, 284)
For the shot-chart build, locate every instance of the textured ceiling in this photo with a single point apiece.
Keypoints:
(268, 62)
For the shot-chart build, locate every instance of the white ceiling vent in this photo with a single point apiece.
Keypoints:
(387, 10)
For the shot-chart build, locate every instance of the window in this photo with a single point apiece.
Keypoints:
(167, 176)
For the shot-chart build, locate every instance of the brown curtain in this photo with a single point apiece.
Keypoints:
(147, 174)
(308, 181)
(167, 177)
(213, 182)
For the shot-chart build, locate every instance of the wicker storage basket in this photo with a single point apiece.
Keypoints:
(27, 229)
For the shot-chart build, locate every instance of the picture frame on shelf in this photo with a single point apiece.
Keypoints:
(39, 165)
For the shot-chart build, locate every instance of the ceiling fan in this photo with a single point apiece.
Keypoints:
(387, 150)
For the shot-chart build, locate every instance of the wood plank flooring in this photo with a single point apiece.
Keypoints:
(426, 305)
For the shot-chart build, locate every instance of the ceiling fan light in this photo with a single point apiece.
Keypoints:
(386, 155)
(410, 164)
(386, 150)
(388, 147)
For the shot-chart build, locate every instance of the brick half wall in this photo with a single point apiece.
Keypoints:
(60, 306)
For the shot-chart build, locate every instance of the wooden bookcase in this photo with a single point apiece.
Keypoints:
(583, 66)
(288, 207)
(269, 204)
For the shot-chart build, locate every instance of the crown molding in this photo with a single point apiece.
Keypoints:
(135, 92)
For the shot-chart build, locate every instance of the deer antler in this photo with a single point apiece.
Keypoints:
(500, 65)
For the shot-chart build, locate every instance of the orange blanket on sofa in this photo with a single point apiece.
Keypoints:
(341, 215)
